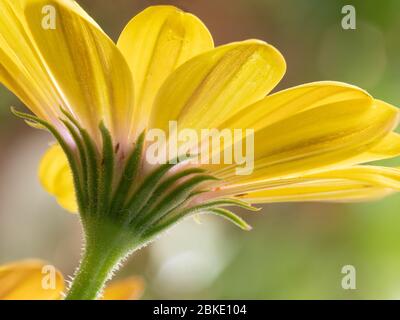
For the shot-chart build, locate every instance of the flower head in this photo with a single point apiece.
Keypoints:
(100, 100)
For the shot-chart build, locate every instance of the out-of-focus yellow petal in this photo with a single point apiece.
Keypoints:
(30, 280)
(213, 86)
(326, 137)
(155, 43)
(56, 177)
(126, 289)
(89, 70)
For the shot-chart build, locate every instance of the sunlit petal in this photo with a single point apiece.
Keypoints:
(88, 69)
(21, 68)
(320, 191)
(155, 43)
(211, 87)
(339, 133)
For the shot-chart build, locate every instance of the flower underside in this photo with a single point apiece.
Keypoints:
(110, 189)
(120, 210)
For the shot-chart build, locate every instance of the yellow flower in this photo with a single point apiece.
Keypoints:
(98, 99)
(26, 280)
(309, 140)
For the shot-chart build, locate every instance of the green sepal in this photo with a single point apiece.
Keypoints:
(35, 125)
(145, 191)
(90, 160)
(82, 156)
(204, 208)
(229, 215)
(93, 170)
(224, 202)
(67, 150)
(172, 200)
(159, 192)
(128, 176)
(167, 183)
(107, 170)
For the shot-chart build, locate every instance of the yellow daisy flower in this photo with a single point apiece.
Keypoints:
(32, 280)
(99, 99)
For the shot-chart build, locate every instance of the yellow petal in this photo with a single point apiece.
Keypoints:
(320, 191)
(89, 70)
(126, 289)
(328, 136)
(56, 178)
(385, 177)
(287, 103)
(358, 183)
(365, 175)
(388, 147)
(213, 86)
(30, 280)
(155, 43)
(21, 69)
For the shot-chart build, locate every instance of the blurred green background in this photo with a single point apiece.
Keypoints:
(295, 251)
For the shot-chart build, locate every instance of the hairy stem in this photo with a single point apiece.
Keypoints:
(102, 255)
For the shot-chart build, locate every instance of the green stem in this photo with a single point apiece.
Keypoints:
(96, 267)
(93, 272)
